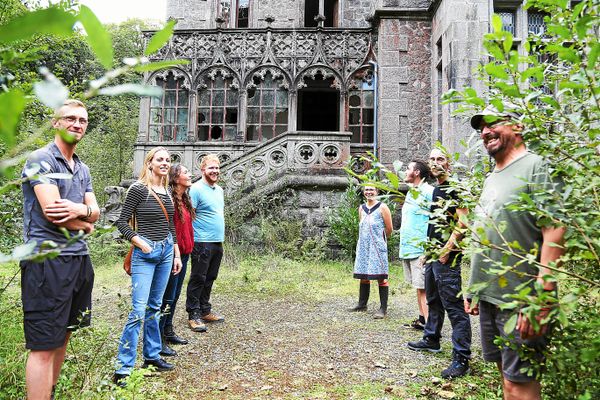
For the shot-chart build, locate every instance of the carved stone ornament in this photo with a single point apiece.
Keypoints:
(176, 157)
(224, 157)
(330, 153)
(175, 73)
(337, 52)
(306, 153)
(258, 167)
(313, 72)
(277, 158)
(261, 74)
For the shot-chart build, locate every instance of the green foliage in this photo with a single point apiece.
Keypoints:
(343, 220)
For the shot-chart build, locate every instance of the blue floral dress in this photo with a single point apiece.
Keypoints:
(371, 250)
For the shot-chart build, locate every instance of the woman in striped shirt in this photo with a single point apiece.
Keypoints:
(155, 256)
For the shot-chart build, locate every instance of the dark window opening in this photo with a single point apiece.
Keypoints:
(318, 106)
(243, 13)
(267, 111)
(311, 10)
(217, 109)
(331, 13)
(169, 114)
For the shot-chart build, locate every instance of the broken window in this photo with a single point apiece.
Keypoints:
(267, 108)
(217, 108)
(243, 13)
(169, 114)
(325, 8)
(361, 115)
(224, 11)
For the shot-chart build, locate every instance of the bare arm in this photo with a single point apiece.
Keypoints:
(455, 237)
(387, 220)
(549, 253)
(63, 212)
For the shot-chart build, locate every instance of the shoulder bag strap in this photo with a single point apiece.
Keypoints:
(161, 204)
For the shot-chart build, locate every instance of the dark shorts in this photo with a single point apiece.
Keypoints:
(492, 321)
(57, 297)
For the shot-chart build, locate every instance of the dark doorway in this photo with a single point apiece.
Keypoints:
(318, 107)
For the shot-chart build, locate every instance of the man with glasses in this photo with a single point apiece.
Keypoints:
(517, 172)
(57, 292)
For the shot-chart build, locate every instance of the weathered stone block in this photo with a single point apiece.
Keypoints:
(309, 199)
(390, 91)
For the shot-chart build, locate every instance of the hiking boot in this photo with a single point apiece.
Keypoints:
(120, 380)
(418, 323)
(160, 365)
(212, 317)
(197, 325)
(425, 345)
(459, 367)
(363, 298)
(380, 314)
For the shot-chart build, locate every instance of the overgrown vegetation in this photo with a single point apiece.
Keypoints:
(555, 85)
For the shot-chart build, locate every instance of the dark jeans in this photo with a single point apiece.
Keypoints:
(442, 285)
(206, 260)
(171, 296)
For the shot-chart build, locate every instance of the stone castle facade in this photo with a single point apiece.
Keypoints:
(285, 91)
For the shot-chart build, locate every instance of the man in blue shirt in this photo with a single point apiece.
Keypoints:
(209, 233)
(413, 232)
(57, 292)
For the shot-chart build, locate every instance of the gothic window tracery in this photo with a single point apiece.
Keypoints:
(218, 99)
(361, 107)
(169, 114)
(267, 111)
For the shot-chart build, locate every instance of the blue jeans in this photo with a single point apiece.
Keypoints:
(149, 276)
(171, 296)
(442, 286)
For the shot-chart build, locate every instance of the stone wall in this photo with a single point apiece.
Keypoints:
(356, 13)
(285, 12)
(404, 58)
(458, 27)
(191, 14)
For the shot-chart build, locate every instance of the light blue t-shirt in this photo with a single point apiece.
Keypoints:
(209, 224)
(415, 219)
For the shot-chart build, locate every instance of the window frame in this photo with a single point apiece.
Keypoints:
(179, 88)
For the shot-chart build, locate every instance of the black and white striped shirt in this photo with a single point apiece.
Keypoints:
(150, 218)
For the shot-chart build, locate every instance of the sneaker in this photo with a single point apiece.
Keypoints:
(197, 325)
(160, 365)
(212, 317)
(425, 345)
(459, 367)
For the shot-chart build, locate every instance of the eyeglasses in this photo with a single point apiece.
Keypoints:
(492, 125)
(71, 120)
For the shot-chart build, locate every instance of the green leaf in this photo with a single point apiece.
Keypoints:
(140, 90)
(393, 178)
(51, 21)
(23, 250)
(582, 26)
(496, 23)
(593, 56)
(12, 104)
(97, 37)
(509, 326)
(51, 92)
(502, 281)
(496, 71)
(160, 38)
(508, 42)
(155, 66)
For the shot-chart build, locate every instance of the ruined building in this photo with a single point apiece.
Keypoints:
(285, 91)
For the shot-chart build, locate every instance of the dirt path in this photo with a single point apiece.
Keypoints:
(292, 349)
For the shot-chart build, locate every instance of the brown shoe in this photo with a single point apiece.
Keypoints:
(212, 317)
(196, 325)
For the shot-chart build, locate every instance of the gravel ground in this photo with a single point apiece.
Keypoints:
(290, 348)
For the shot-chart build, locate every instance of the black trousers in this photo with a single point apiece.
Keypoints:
(442, 288)
(206, 260)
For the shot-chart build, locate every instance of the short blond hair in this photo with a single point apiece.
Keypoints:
(208, 158)
(68, 103)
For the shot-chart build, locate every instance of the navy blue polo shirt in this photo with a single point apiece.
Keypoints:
(36, 228)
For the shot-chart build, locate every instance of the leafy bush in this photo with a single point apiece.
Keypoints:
(343, 220)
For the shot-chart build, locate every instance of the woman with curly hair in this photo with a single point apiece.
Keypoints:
(180, 181)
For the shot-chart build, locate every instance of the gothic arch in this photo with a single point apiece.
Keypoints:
(261, 70)
(177, 74)
(327, 72)
(214, 70)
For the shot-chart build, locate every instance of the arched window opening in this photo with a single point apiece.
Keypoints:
(169, 114)
(361, 108)
(243, 13)
(218, 99)
(267, 107)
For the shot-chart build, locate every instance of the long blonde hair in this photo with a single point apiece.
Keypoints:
(146, 175)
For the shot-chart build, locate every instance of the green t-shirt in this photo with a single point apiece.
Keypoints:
(502, 226)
